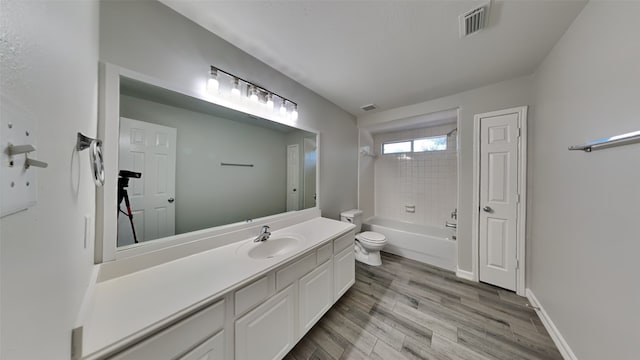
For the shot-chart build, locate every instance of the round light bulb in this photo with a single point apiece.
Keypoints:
(212, 85)
(235, 91)
(294, 113)
(253, 94)
(269, 102)
(283, 108)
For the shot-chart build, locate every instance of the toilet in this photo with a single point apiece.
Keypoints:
(368, 243)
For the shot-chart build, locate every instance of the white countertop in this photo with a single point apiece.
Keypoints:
(137, 303)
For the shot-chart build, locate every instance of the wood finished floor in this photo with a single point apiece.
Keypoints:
(408, 310)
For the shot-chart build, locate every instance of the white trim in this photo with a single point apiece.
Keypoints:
(463, 274)
(556, 336)
(522, 190)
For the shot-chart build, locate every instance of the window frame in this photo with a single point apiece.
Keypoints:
(412, 147)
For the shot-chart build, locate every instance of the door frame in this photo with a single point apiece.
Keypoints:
(522, 192)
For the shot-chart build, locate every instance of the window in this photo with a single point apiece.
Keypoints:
(396, 147)
(434, 143)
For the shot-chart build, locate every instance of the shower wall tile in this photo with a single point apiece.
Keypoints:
(427, 180)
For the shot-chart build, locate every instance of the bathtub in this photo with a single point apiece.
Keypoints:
(424, 243)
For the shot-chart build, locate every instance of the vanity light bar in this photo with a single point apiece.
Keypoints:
(254, 91)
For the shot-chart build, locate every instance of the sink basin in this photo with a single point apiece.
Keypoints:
(274, 247)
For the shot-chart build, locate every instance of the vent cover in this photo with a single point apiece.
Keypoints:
(369, 107)
(474, 20)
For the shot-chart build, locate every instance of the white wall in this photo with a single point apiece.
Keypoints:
(49, 53)
(150, 38)
(366, 174)
(506, 94)
(207, 194)
(426, 180)
(583, 240)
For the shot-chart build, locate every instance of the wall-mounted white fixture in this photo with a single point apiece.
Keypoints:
(410, 208)
(95, 156)
(255, 93)
(18, 179)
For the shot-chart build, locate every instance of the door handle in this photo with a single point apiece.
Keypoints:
(171, 200)
(294, 190)
(487, 209)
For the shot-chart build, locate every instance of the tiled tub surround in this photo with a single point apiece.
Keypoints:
(426, 180)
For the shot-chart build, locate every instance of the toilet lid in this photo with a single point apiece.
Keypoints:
(371, 236)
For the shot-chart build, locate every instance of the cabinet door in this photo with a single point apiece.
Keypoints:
(267, 332)
(212, 349)
(316, 295)
(344, 272)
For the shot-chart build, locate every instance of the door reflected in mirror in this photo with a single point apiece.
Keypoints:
(202, 165)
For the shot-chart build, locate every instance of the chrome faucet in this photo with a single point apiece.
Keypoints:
(264, 234)
(454, 214)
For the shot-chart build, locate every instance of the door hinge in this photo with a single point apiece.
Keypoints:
(518, 199)
(519, 132)
(517, 264)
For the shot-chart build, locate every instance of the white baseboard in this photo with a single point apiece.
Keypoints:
(463, 274)
(553, 331)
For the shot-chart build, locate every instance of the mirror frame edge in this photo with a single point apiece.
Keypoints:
(106, 222)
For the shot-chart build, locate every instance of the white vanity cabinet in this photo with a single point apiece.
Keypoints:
(195, 331)
(212, 349)
(316, 295)
(343, 264)
(268, 331)
(305, 291)
(263, 319)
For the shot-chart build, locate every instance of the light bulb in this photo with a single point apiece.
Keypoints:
(236, 87)
(269, 101)
(213, 84)
(283, 107)
(253, 94)
(294, 113)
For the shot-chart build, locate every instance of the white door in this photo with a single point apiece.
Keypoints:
(293, 176)
(151, 150)
(309, 173)
(498, 196)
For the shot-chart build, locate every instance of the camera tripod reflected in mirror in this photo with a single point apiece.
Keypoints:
(123, 184)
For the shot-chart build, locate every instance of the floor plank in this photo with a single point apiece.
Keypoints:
(405, 309)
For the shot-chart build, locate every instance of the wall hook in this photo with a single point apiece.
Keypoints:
(95, 156)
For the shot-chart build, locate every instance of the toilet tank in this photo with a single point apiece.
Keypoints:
(353, 216)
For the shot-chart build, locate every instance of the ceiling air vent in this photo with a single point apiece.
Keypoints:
(369, 107)
(474, 20)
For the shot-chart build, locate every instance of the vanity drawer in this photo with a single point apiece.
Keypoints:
(293, 272)
(324, 253)
(253, 294)
(177, 339)
(343, 242)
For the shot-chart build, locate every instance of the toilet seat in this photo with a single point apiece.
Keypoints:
(371, 237)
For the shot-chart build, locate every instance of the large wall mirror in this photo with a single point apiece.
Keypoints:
(186, 164)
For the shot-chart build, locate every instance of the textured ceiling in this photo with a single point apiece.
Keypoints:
(391, 53)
